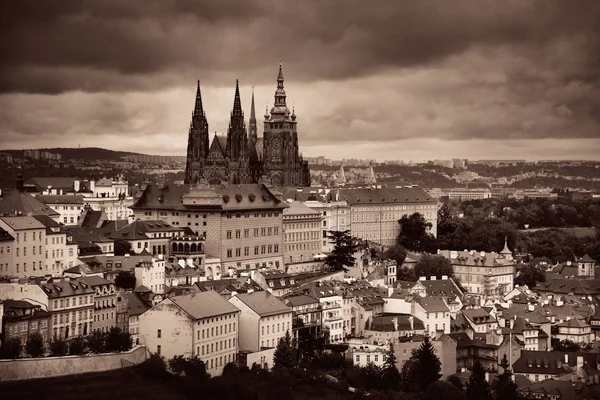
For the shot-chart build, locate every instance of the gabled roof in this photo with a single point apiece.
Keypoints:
(439, 287)
(296, 208)
(21, 203)
(23, 223)
(94, 280)
(63, 288)
(41, 183)
(433, 304)
(300, 300)
(140, 229)
(263, 303)
(385, 196)
(219, 145)
(573, 323)
(204, 304)
(60, 199)
(5, 236)
(135, 305)
(478, 316)
(385, 323)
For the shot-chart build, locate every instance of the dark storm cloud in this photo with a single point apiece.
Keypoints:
(51, 47)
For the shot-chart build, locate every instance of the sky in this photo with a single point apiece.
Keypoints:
(385, 80)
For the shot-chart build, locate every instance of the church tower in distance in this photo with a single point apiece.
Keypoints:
(197, 149)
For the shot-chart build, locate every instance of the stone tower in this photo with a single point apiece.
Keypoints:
(197, 149)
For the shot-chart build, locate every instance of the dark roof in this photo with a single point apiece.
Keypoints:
(565, 390)
(60, 199)
(463, 340)
(433, 304)
(570, 285)
(213, 197)
(9, 303)
(204, 304)
(385, 196)
(5, 236)
(300, 300)
(135, 305)
(63, 288)
(440, 287)
(139, 230)
(478, 315)
(551, 362)
(92, 218)
(21, 203)
(385, 323)
(41, 183)
(587, 258)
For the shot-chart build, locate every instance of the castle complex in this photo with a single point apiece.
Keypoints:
(241, 156)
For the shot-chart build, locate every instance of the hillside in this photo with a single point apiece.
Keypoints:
(83, 153)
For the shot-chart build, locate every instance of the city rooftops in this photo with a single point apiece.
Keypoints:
(23, 223)
(297, 209)
(200, 305)
(366, 196)
(60, 199)
(139, 230)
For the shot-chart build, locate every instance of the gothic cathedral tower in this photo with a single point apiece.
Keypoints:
(197, 149)
(237, 142)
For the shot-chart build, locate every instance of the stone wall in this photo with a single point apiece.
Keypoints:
(34, 368)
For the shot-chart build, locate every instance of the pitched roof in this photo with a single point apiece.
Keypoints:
(56, 182)
(204, 304)
(63, 288)
(208, 197)
(385, 323)
(60, 199)
(5, 236)
(478, 315)
(263, 303)
(573, 323)
(300, 300)
(386, 196)
(23, 223)
(296, 208)
(139, 230)
(433, 304)
(21, 203)
(551, 362)
(439, 287)
(94, 280)
(135, 305)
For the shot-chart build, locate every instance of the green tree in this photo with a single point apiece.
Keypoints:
(565, 345)
(396, 253)
(125, 280)
(122, 247)
(58, 347)
(96, 342)
(390, 376)
(422, 368)
(117, 340)
(285, 355)
(530, 275)
(192, 367)
(11, 348)
(406, 274)
(456, 381)
(477, 387)
(503, 386)
(77, 346)
(344, 247)
(414, 233)
(35, 345)
(434, 265)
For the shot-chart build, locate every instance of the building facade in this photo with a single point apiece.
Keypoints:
(302, 233)
(241, 156)
(28, 257)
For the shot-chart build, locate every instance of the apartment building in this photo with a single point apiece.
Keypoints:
(243, 224)
(68, 206)
(302, 233)
(28, 257)
(7, 245)
(105, 302)
(22, 318)
(264, 319)
(201, 324)
(60, 253)
(151, 275)
(307, 314)
(154, 236)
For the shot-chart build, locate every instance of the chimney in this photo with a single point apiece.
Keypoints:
(567, 358)
(76, 185)
(579, 362)
(422, 278)
(482, 254)
(530, 307)
(92, 185)
(444, 277)
(395, 321)
(569, 263)
(411, 320)
(487, 376)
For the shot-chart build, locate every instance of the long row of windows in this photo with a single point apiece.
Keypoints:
(271, 328)
(297, 236)
(264, 249)
(63, 318)
(215, 330)
(72, 302)
(217, 346)
(33, 234)
(257, 232)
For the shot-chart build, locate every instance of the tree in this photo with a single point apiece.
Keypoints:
(35, 345)
(122, 247)
(434, 265)
(77, 346)
(117, 340)
(125, 280)
(390, 376)
(11, 348)
(414, 233)
(503, 386)
(396, 253)
(96, 342)
(477, 387)
(406, 274)
(285, 355)
(565, 345)
(58, 347)
(530, 275)
(344, 247)
(192, 367)
(456, 381)
(422, 368)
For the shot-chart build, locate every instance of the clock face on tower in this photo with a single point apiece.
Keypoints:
(276, 144)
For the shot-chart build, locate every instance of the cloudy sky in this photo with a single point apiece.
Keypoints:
(413, 80)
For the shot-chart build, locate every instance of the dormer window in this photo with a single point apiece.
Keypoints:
(271, 284)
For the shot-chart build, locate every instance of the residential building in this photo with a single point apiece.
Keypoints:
(482, 273)
(264, 319)
(480, 320)
(392, 328)
(7, 246)
(363, 355)
(274, 281)
(575, 330)
(538, 366)
(60, 253)
(151, 274)
(306, 318)
(552, 389)
(242, 224)
(443, 346)
(472, 347)
(22, 318)
(375, 211)
(19, 203)
(200, 324)
(301, 233)
(154, 236)
(28, 257)
(445, 287)
(136, 306)
(105, 302)
(331, 300)
(68, 206)
(434, 313)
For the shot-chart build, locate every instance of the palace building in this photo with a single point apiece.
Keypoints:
(241, 156)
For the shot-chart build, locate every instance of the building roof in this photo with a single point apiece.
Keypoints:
(64, 288)
(20, 203)
(476, 259)
(564, 390)
(135, 305)
(385, 323)
(60, 199)
(300, 300)
(296, 208)
(573, 323)
(23, 223)
(213, 197)
(433, 304)
(204, 304)
(20, 304)
(478, 316)
(551, 362)
(385, 196)
(92, 218)
(41, 183)
(5, 236)
(441, 287)
(263, 303)
(139, 230)
(94, 280)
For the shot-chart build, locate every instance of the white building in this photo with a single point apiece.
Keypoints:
(68, 206)
(264, 319)
(434, 313)
(200, 324)
(28, 257)
(60, 253)
(151, 275)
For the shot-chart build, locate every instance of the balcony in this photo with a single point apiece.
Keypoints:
(330, 306)
(187, 253)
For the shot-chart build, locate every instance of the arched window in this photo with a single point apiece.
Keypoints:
(186, 248)
(181, 247)
(175, 247)
(193, 248)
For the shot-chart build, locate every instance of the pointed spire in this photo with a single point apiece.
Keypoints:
(252, 129)
(198, 109)
(342, 177)
(237, 103)
(505, 250)
(280, 76)
(252, 112)
(372, 179)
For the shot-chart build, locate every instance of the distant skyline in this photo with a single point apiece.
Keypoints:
(410, 80)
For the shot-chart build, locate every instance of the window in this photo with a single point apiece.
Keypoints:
(158, 349)
(246, 233)
(238, 234)
(158, 333)
(228, 234)
(229, 253)
(246, 251)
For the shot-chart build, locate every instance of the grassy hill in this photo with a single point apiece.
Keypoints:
(83, 153)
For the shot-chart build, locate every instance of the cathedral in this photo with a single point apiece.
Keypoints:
(241, 156)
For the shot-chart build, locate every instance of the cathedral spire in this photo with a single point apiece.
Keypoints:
(252, 131)
(237, 103)
(198, 109)
(371, 179)
(280, 92)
